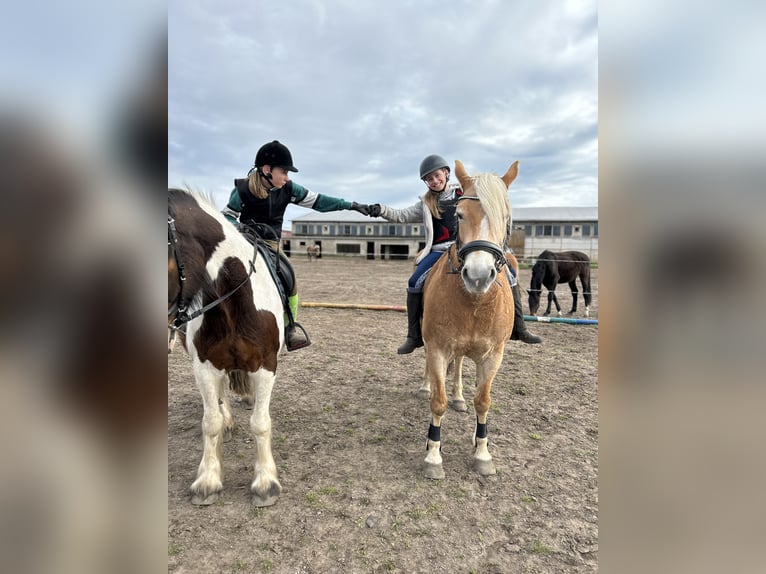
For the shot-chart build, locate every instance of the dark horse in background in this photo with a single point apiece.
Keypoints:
(553, 268)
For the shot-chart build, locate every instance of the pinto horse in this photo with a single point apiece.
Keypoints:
(224, 295)
(468, 308)
(553, 268)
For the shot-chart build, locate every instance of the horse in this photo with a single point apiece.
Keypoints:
(222, 292)
(312, 252)
(468, 309)
(552, 268)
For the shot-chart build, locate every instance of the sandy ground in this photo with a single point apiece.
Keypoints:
(349, 438)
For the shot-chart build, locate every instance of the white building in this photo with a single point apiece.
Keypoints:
(353, 234)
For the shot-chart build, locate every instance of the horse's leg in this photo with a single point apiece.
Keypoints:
(485, 374)
(457, 402)
(586, 294)
(265, 486)
(573, 288)
(425, 388)
(436, 369)
(225, 406)
(551, 297)
(209, 481)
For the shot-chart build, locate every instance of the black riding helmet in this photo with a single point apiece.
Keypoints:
(432, 163)
(275, 154)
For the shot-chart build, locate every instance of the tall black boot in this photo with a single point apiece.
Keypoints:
(520, 332)
(414, 313)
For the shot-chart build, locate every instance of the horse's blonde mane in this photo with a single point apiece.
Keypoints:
(493, 195)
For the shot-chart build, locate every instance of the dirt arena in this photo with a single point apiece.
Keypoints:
(349, 438)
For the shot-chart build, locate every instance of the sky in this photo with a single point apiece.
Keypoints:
(362, 91)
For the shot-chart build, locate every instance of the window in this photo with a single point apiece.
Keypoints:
(392, 229)
(301, 228)
(346, 230)
(556, 230)
(595, 229)
(538, 230)
(586, 230)
(567, 231)
(325, 229)
(547, 230)
(528, 230)
(348, 248)
(332, 230)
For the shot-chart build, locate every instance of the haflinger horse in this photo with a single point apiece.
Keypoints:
(468, 308)
(225, 296)
(553, 268)
(312, 252)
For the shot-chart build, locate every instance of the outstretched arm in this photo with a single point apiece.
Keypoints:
(234, 207)
(324, 203)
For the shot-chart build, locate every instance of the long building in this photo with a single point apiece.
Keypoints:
(350, 233)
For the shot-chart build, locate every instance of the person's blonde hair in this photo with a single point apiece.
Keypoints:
(255, 184)
(432, 203)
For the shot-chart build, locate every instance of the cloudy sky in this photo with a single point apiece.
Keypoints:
(361, 91)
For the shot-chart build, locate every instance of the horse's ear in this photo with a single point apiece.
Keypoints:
(462, 175)
(511, 174)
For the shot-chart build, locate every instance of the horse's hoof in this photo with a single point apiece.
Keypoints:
(433, 471)
(268, 498)
(423, 394)
(202, 500)
(485, 467)
(458, 406)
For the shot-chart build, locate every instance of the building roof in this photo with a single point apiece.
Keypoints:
(520, 214)
(554, 214)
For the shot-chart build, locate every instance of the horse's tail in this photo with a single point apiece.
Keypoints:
(585, 279)
(239, 382)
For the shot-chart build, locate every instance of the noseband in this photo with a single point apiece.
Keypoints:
(180, 307)
(461, 251)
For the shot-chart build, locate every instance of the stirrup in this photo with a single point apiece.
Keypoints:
(301, 344)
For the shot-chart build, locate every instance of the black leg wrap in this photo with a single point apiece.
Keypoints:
(481, 429)
(434, 433)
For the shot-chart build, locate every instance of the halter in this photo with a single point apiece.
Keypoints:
(479, 245)
(180, 306)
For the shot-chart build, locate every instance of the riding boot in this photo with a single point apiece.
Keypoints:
(520, 332)
(295, 335)
(414, 312)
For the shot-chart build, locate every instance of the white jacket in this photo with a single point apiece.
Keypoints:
(419, 212)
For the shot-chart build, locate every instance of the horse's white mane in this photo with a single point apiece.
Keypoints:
(493, 195)
(206, 202)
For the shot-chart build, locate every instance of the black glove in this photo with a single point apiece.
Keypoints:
(375, 210)
(362, 208)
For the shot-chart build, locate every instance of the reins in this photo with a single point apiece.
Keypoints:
(180, 306)
(479, 245)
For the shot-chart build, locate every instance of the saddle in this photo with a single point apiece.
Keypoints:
(266, 241)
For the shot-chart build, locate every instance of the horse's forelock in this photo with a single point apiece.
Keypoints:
(493, 195)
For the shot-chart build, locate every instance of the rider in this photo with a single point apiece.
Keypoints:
(262, 198)
(437, 210)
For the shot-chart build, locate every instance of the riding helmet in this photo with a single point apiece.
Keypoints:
(432, 163)
(275, 154)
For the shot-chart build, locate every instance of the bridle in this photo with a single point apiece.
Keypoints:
(179, 310)
(461, 251)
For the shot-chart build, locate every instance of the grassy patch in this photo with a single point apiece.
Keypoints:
(535, 436)
(239, 566)
(328, 490)
(266, 565)
(174, 550)
(541, 549)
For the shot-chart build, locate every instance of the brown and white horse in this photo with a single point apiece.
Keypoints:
(224, 295)
(468, 308)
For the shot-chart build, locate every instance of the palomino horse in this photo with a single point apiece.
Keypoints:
(553, 268)
(224, 294)
(312, 252)
(468, 308)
